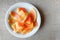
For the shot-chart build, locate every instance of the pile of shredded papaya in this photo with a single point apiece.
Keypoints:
(22, 21)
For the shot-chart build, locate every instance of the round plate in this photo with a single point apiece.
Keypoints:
(28, 6)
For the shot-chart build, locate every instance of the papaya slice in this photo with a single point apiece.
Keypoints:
(35, 23)
(33, 14)
(11, 21)
(14, 27)
(14, 15)
(21, 8)
(27, 30)
(22, 15)
(28, 19)
(19, 27)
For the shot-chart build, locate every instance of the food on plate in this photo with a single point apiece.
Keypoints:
(33, 14)
(22, 21)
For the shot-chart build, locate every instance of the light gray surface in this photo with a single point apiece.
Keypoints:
(50, 11)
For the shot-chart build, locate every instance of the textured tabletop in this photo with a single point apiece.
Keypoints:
(50, 14)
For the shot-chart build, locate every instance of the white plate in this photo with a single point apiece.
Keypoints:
(28, 6)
